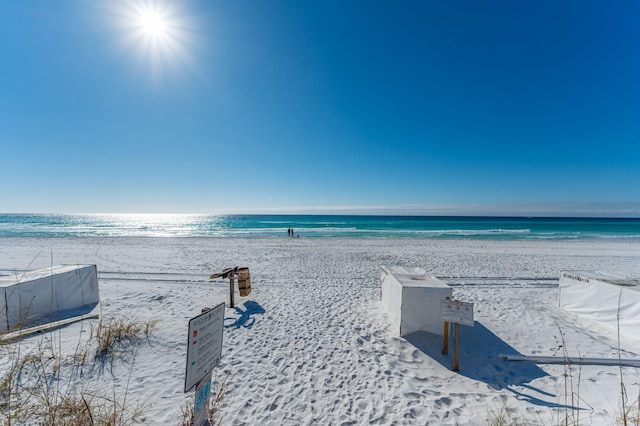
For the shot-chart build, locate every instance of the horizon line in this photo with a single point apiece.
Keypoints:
(629, 210)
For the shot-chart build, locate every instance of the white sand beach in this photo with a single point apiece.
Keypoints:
(317, 347)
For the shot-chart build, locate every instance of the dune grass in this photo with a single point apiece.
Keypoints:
(31, 389)
(117, 335)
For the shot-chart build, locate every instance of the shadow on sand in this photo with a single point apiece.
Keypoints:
(244, 320)
(478, 360)
(56, 316)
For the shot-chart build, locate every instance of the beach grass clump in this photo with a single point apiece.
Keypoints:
(39, 386)
(504, 415)
(78, 409)
(86, 409)
(116, 335)
(630, 411)
(28, 378)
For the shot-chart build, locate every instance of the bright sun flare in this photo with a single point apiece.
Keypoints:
(157, 31)
(153, 24)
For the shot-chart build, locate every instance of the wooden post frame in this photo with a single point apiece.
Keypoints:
(231, 274)
(231, 292)
(445, 340)
(6, 337)
(456, 326)
(456, 312)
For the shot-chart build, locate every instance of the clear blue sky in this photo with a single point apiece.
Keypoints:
(413, 106)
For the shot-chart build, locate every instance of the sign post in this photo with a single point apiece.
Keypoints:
(244, 282)
(232, 303)
(204, 349)
(445, 340)
(201, 406)
(456, 312)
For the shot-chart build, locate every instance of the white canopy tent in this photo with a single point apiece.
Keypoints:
(611, 300)
(47, 295)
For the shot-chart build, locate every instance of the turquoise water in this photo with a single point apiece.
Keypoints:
(320, 226)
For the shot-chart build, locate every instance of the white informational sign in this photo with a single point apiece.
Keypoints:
(205, 345)
(201, 406)
(457, 312)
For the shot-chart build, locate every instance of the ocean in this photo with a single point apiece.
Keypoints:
(316, 226)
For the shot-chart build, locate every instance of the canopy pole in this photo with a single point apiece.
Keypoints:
(573, 360)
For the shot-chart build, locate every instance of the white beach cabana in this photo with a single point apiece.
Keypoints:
(47, 295)
(412, 299)
(611, 300)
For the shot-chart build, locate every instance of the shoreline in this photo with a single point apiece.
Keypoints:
(313, 226)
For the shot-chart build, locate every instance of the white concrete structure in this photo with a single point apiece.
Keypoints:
(412, 299)
(602, 297)
(46, 295)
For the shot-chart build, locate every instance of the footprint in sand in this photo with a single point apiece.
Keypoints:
(412, 395)
(444, 401)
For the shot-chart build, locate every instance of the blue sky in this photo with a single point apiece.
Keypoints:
(528, 107)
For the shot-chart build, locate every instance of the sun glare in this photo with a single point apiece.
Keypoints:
(153, 24)
(158, 31)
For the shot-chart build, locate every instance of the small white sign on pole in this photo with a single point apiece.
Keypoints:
(204, 346)
(201, 406)
(454, 311)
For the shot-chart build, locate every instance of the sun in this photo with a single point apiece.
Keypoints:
(159, 35)
(153, 24)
